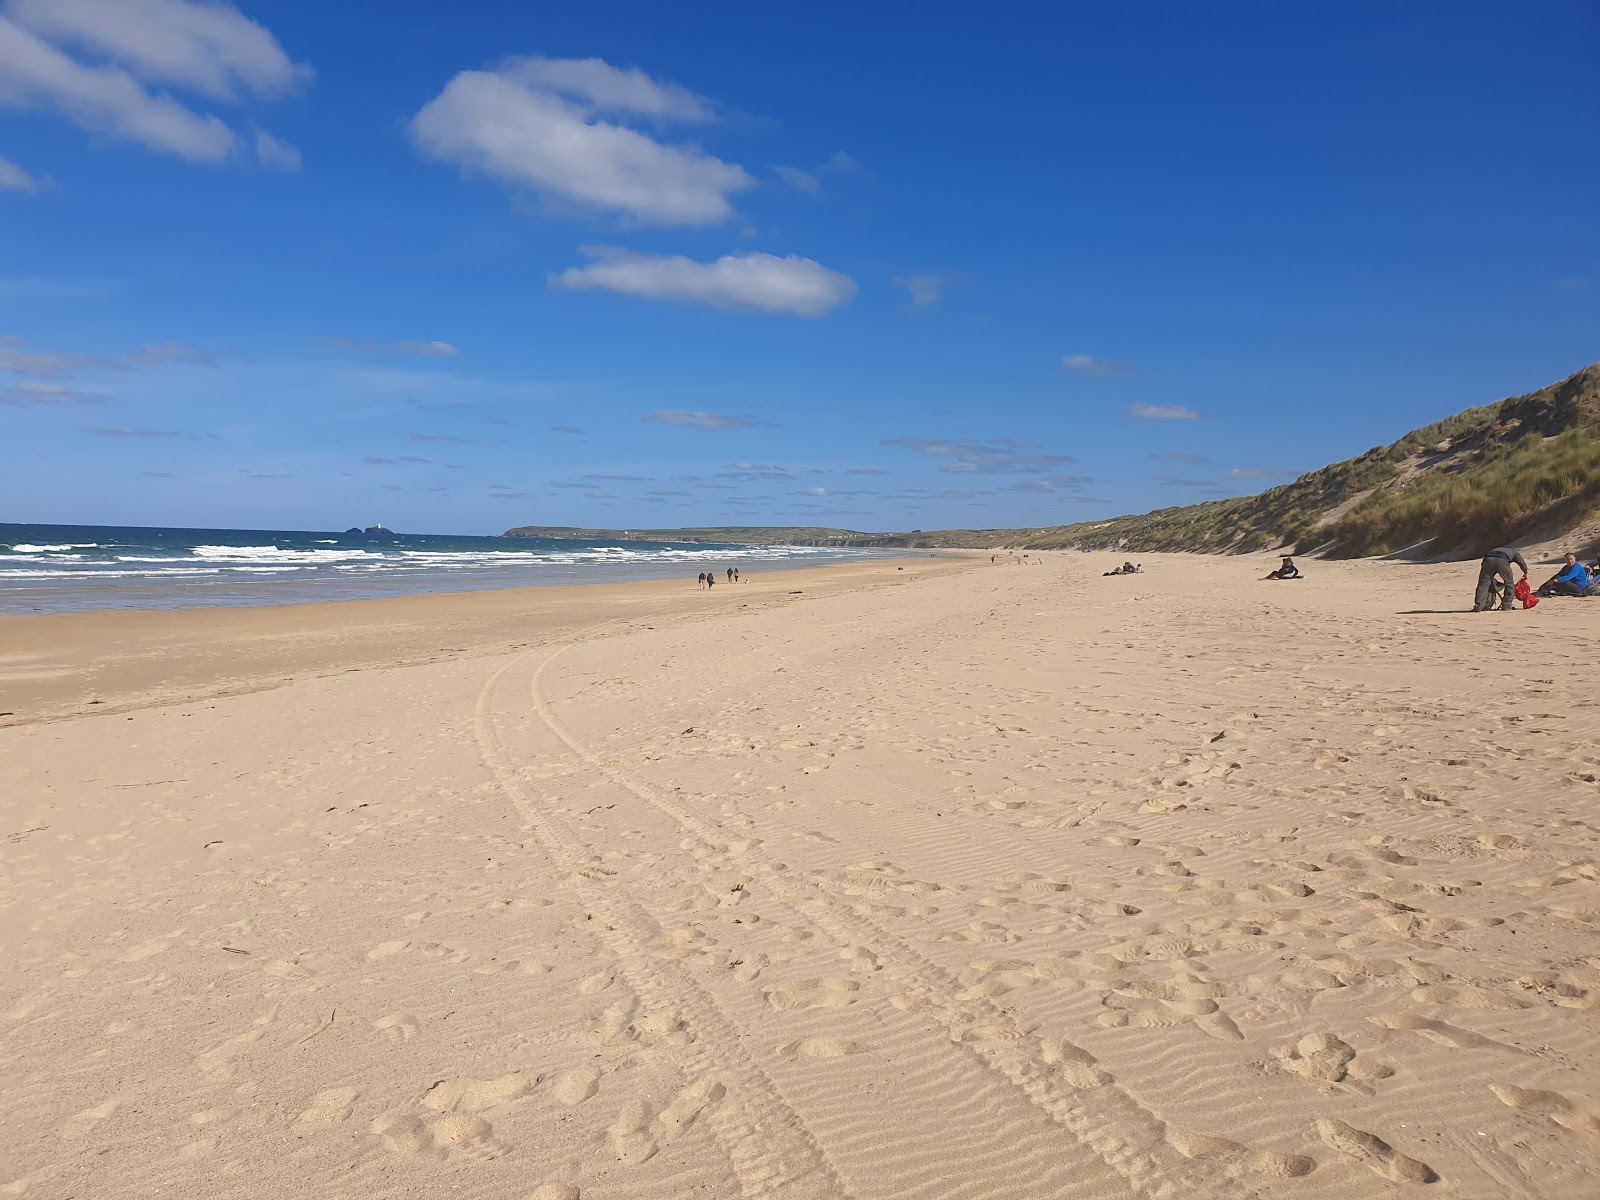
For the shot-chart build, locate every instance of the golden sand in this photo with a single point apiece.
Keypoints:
(950, 880)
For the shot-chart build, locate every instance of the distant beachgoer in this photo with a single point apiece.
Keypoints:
(711, 579)
(1496, 566)
(730, 574)
(1571, 580)
(736, 574)
(1287, 571)
(700, 579)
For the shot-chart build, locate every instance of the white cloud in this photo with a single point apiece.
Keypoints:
(207, 47)
(276, 155)
(428, 349)
(697, 420)
(1161, 412)
(609, 88)
(14, 179)
(105, 100)
(1088, 364)
(536, 123)
(751, 281)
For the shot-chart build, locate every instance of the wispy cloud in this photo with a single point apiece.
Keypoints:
(995, 456)
(617, 478)
(133, 431)
(1088, 364)
(810, 182)
(428, 349)
(19, 358)
(567, 430)
(48, 394)
(760, 282)
(1187, 456)
(344, 345)
(925, 288)
(754, 472)
(168, 354)
(540, 124)
(436, 437)
(1051, 485)
(864, 471)
(1256, 473)
(205, 47)
(1160, 412)
(276, 155)
(698, 420)
(14, 179)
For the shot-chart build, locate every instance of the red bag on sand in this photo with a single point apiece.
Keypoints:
(1525, 593)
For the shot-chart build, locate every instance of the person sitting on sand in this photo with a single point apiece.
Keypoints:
(1287, 571)
(1571, 580)
(1496, 566)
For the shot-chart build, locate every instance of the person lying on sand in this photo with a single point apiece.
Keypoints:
(1496, 566)
(1571, 580)
(1287, 571)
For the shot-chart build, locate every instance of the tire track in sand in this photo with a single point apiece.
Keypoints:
(769, 1148)
(1060, 1080)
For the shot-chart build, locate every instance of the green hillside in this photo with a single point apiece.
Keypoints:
(1525, 467)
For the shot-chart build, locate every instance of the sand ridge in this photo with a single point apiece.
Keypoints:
(1001, 882)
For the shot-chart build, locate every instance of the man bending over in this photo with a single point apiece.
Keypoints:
(1497, 565)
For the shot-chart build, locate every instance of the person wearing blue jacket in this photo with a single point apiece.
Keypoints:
(1571, 580)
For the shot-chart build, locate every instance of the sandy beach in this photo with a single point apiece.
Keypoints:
(922, 878)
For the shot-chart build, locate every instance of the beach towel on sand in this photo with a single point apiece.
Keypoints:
(1525, 593)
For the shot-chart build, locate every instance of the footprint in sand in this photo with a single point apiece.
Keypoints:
(1563, 1110)
(576, 1086)
(82, 1124)
(466, 1135)
(398, 1027)
(460, 1133)
(1238, 1159)
(473, 1095)
(822, 1047)
(329, 1108)
(1327, 1058)
(630, 1134)
(1375, 1153)
(813, 993)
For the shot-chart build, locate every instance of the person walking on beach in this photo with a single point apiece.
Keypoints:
(730, 574)
(1497, 565)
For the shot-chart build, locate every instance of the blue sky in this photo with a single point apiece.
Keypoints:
(883, 266)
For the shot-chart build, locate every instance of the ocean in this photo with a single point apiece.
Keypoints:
(76, 568)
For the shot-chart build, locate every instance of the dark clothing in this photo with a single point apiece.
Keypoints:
(1560, 587)
(1510, 555)
(1496, 566)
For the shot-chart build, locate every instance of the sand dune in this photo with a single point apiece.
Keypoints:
(950, 881)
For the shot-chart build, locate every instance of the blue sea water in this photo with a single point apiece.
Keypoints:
(73, 568)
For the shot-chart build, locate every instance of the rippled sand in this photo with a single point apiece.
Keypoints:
(950, 880)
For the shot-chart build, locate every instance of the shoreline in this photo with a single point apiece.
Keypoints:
(55, 666)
